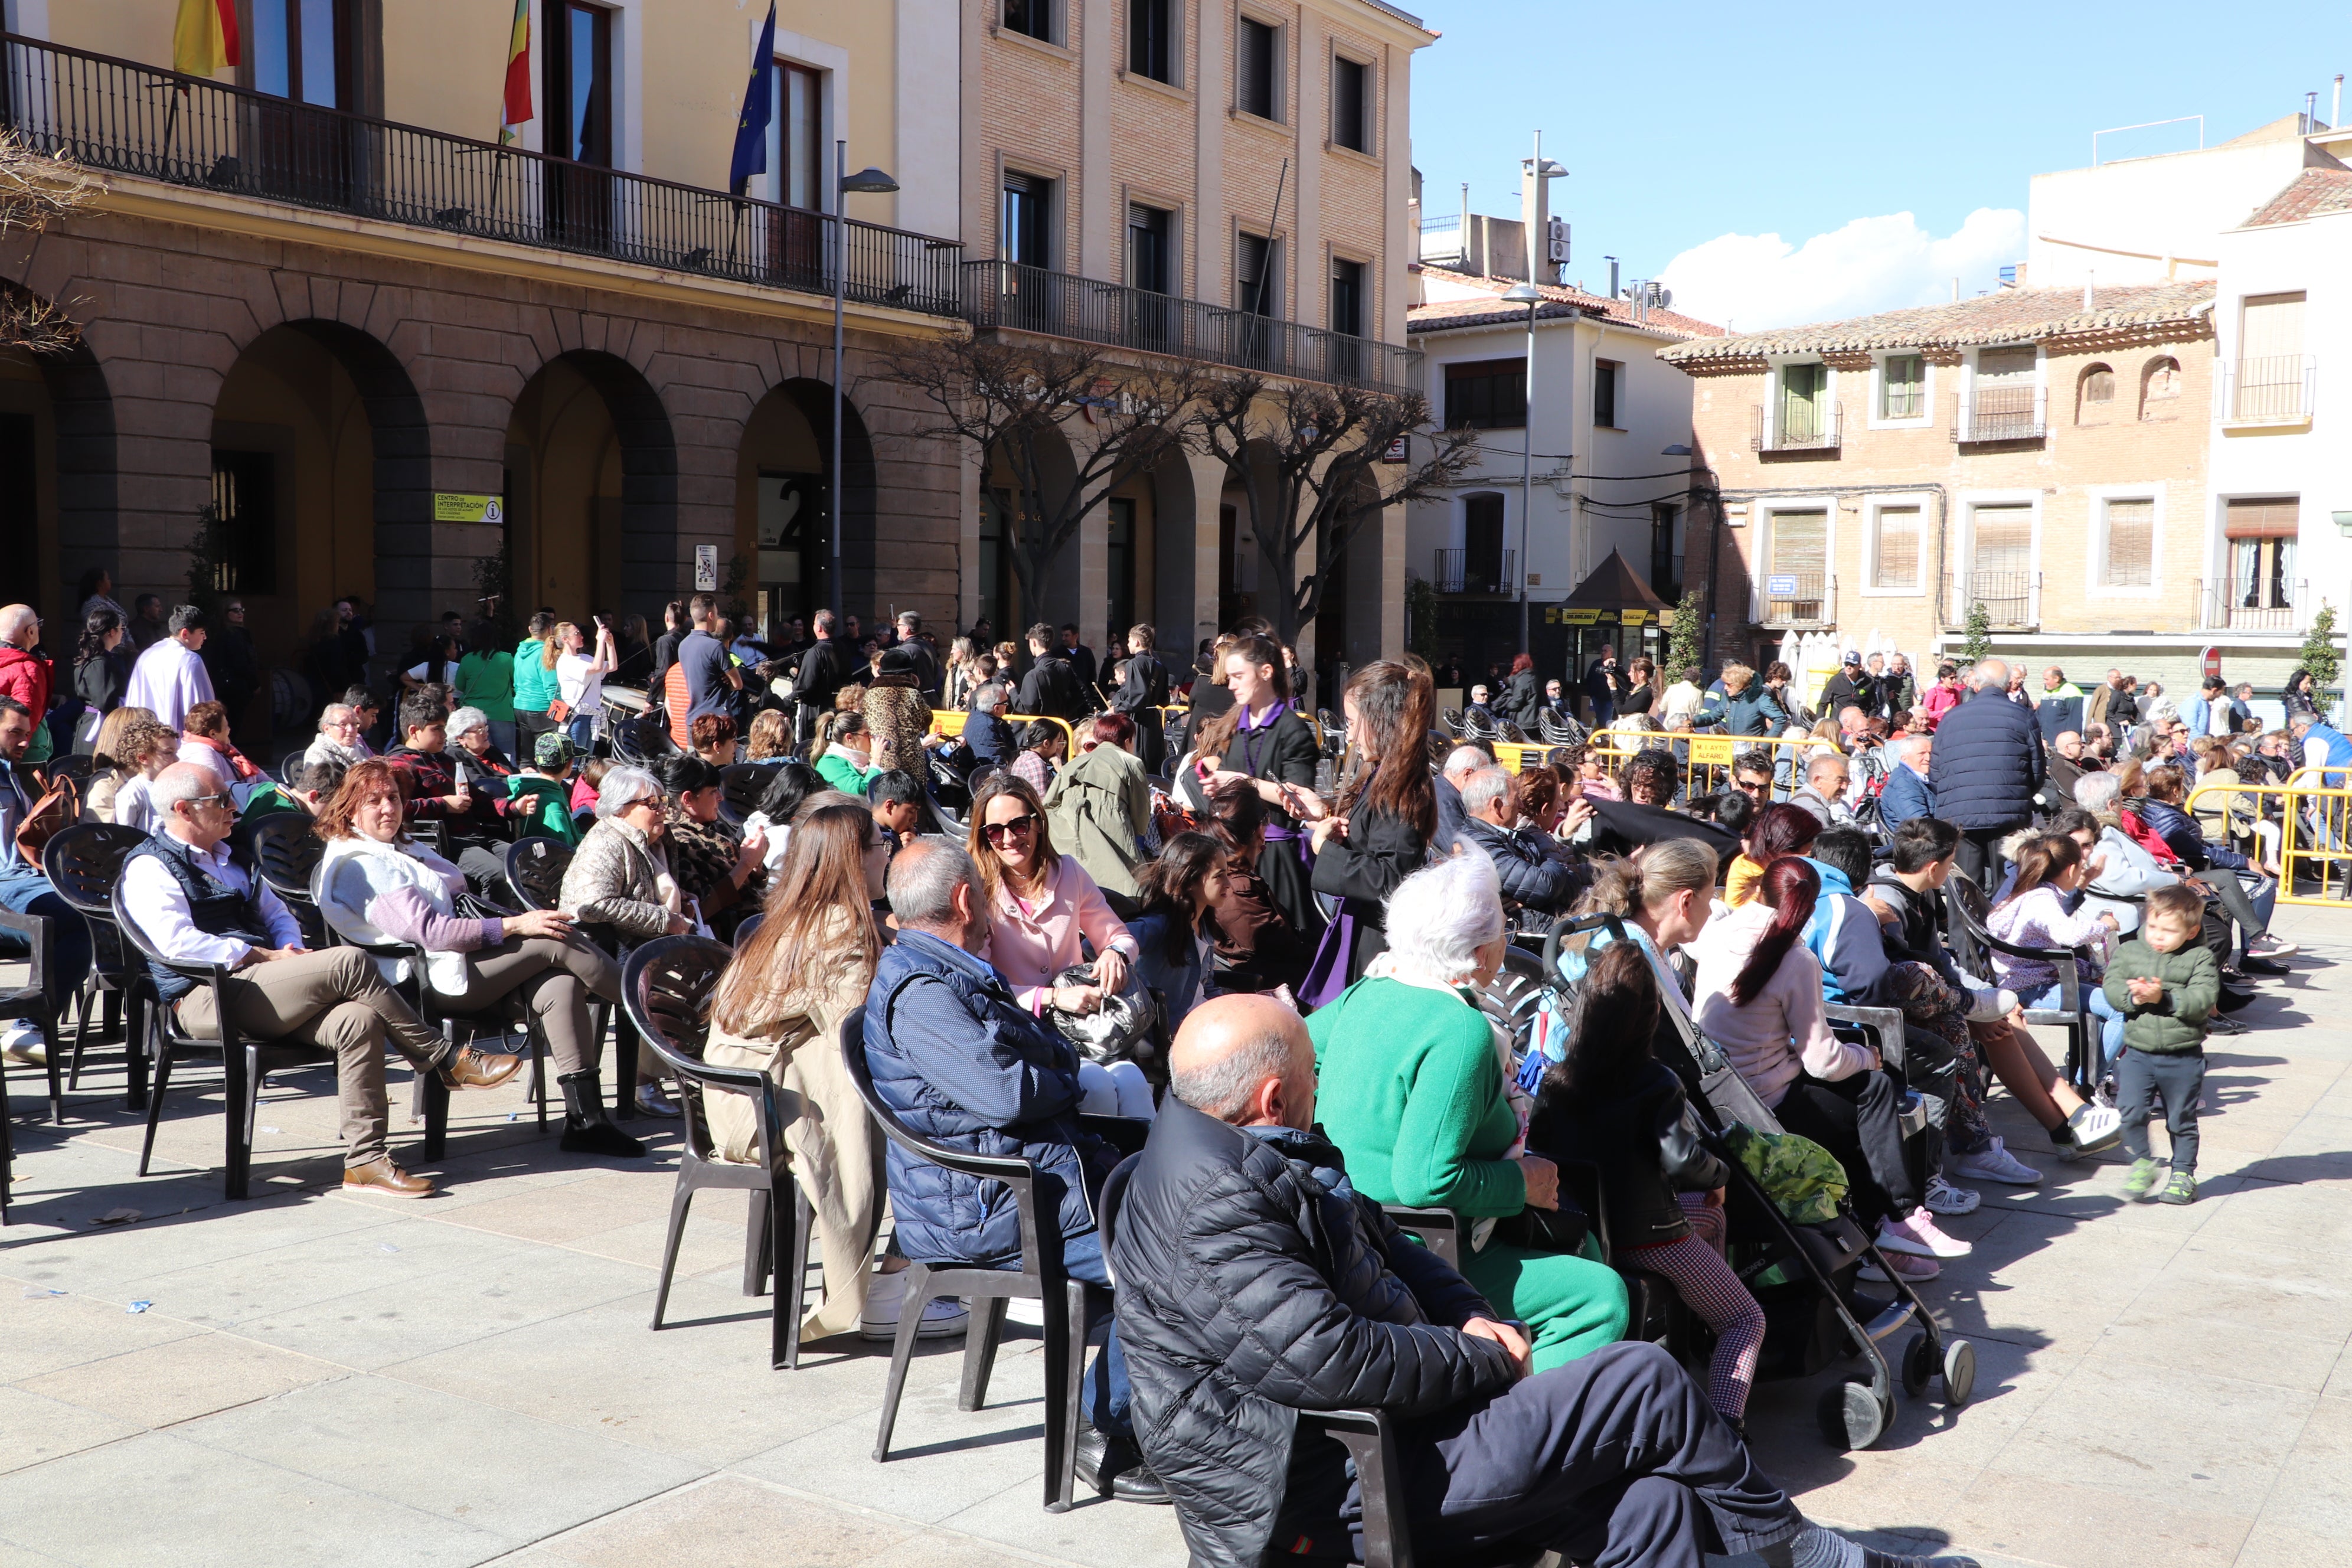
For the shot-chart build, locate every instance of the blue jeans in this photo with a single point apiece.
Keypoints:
(1107, 1394)
(502, 736)
(2111, 1023)
(25, 891)
(582, 728)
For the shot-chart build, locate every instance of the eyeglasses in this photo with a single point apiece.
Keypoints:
(208, 800)
(998, 832)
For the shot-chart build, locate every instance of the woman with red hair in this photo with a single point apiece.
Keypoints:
(1759, 997)
(1522, 695)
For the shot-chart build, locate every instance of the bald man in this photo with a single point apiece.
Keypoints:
(1254, 1282)
(1988, 766)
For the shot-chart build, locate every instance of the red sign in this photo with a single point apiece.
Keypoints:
(2209, 662)
(1397, 451)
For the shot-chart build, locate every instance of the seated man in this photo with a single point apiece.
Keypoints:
(1530, 877)
(1908, 792)
(198, 904)
(435, 790)
(1255, 1283)
(985, 732)
(896, 801)
(1824, 792)
(963, 1063)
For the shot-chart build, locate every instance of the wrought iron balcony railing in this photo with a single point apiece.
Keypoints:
(125, 118)
(1799, 599)
(1801, 427)
(2240, 606)
(2012, 600)
(2276, 390)
(1060, 304)
(2003, 414)
(1478, 572)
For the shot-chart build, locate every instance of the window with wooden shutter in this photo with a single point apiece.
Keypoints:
(1902, 387)
(2262, 517)
(2131, 545)
(1894, 557)
(1797, 581)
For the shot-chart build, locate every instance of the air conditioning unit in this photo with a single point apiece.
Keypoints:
(1556, 240)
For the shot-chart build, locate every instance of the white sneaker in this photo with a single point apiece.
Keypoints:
(1991, 1004)
(2096, 1128)
(1916, 1235)
(943, 1316)
(1994, 1162)
(2268, 946)
(1947, 1199)
(21, 1042)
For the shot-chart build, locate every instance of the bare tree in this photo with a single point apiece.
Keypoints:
(1071, 423)
(1311, 461)
(36, 190)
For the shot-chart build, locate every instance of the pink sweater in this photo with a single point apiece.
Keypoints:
(1783, 1030)
(1031, 945)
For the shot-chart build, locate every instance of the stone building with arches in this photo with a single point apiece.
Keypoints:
(2040, 452)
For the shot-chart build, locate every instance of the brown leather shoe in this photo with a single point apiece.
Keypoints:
(470, 1068)
(380, 1175)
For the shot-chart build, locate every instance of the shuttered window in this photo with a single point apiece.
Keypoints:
(1800, 542)
(2268, 517)
(2131, 545)
(1895, 560)
(1902, 387)
(2004, 539)
(2274, 327)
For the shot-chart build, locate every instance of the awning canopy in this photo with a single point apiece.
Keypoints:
(1615, 585)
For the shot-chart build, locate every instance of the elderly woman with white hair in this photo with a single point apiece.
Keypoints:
(620, 879)
(338, 739)
(1415, 1090)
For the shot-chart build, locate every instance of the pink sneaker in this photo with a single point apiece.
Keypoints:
(1915, 1234)
(1917, 1271)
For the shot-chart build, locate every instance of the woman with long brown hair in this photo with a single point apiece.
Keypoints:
(779, 1007)
(1260, 744)
(1386, 819)
(1041, 903)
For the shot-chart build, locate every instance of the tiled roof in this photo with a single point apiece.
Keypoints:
(2314, 192)
(1559, 303)
(2005, 316)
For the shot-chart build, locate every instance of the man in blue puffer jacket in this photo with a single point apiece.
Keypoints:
(961, 1062)
(1987, 766)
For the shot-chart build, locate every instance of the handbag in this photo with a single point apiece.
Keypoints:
(60, 805)
(559, 711)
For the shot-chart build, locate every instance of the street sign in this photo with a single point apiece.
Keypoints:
(706, 568)
(449, 507)
(1710, 751)
(1781, 587)
(2209, 662)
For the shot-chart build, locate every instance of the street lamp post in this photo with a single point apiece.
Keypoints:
(866, 181)
(1530, 296)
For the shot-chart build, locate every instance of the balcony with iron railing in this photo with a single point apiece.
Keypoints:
(1476, 571)
(1801, 427)
(2241, 606)
(1006, 295)
(2003, 414)
(2012, 600)
(1799, 599)
(2276, 390)
(124, 118)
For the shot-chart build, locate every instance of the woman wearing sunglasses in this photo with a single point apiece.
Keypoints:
(1041, 903)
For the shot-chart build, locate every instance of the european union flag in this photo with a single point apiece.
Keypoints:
(759, 110)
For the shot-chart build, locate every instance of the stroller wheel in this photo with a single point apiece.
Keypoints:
(1960, 1372)
(1850, 1416)
(1918, 1366)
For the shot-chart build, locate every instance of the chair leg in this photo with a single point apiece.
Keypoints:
(1063, 1386)
(916, 1296)
(138, 1050)
(432, 1099)
(680, 1201)
(804, 1226)
(52, 1025)
(155, 1097)
(537, 1070)
(624, 1067)
(87, 999)
(1388, 1538)
(241, 1065)
(980, 1340)
(759, 1244)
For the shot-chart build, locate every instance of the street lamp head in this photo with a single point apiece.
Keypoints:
(1676, 450)
(869, 182)
(1523, 294)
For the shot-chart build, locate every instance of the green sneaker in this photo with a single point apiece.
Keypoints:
(2142, 1177)
(2182, 1188)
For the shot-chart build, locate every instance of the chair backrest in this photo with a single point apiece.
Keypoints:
(1114, 1193)
(145, 948)
(665, 986)
(1452, 719)
(535, 869)
(751, 923)
(286, 850)
(742, 786)
(853, 1055)
(84, 860)
(75, 765)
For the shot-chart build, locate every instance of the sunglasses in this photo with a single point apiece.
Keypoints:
(998, 832)
(208, 800)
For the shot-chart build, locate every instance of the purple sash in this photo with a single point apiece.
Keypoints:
(1327, 976)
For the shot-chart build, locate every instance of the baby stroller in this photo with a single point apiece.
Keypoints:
(1804, 1276)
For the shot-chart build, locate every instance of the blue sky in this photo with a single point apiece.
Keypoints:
(1826, 122)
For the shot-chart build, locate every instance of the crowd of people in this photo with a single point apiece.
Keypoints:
(1170, 897)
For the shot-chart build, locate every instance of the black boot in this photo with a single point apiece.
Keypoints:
(587, 1130)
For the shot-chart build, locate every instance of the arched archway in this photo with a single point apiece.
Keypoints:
(1170, 551)
(592, 491)
(57, 465)
(784, 496)
(1244, 583)
(321, 471)
(1005, 525)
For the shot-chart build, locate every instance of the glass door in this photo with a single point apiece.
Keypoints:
(579, 124)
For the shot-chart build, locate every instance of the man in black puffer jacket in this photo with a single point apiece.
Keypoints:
(1988, 765)
(1254, 1282)
(1529, 875)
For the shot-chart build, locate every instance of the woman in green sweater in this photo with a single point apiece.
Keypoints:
(1412, 1087)
(534, 673)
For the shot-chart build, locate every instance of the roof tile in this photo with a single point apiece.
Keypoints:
(2006, 316)
(1559, 303)
(2314, 194)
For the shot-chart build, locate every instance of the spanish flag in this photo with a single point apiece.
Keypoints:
(516, 111)
(204, 38)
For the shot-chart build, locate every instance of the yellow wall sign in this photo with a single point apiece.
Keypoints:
(1710, 751)
(1583, 617)
(1634, 617)
(451, 507)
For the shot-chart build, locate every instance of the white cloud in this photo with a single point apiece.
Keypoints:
(1757, 280)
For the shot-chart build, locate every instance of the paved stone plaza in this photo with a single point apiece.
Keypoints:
(309, 1379)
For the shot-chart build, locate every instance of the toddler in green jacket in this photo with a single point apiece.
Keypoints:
(2166, 985)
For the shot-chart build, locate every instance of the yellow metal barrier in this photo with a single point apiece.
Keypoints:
(2314, 827)
(1706, 760)
(951, 721)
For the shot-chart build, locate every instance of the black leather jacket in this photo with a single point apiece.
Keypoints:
(1647, 1147)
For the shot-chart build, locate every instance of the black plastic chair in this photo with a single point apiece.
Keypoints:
(246, 1064)
(1039, 1278)
(32, 1001)
(82, 862)
(665, 986)
(1369, 1435)
(286, 849)
(535, 869)
(1971, 911)
(741, 787)
(751, 923)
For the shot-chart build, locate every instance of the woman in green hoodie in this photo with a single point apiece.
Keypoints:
(534, 683)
